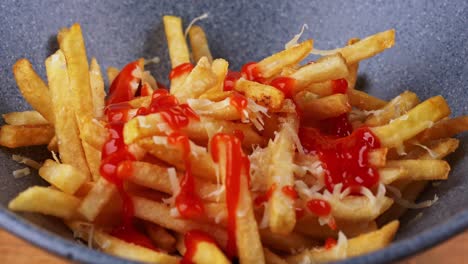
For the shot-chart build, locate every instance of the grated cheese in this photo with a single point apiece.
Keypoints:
(154, 60)
(198, 18)
(20, 173)
(216, 193)
(432, 153)
(295, 39)
(26, 161)
(175, 186)
(54, 156)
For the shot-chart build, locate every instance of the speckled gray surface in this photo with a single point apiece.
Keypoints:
(429, 58)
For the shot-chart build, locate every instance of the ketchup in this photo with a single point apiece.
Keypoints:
(339, 86)
(338, 126)
(188, 203)
(299, 212)
(285, 85)
(330, 243)
(263, 198)
(289, 191)
(250, 72)
(239, 102)
(236, 163)
(319, 207)
(180, 70)
(230, 80)
(125, 85)
(345, 159)
(191, 241)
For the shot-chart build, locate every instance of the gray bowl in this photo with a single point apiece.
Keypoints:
(429, 58)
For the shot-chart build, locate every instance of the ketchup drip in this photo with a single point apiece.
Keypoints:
(123, 87)
(319, 207)
(338, 126)
(299, 212)
(330, 243)
(230, 80)
(239, 102)
(339, 86)
(345, 159)
(236, 164)
(176, 115)
(191, 241)
(250, 72)
(289, 191)
(285, 85)
(180, 70)
(188, 203)
(263, 198)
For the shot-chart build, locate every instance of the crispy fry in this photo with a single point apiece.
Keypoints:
(262, 94)
(160, 237)
(286, 243)
(45, 201)
(24, 118)
(360, 245)
(198, 81)
(325, 107)
(390, 174)
(415, 121)
(93, 159)
(445, 128)
(436, 149)
(94, 133)
(358, 208)
(63, 176)
(378, 157)
(394, 109)
(112, 72)
(120, 248)
(53, 145)
(365, 101)
(178, 50)
(22, 136)
(423, 169)
(327, 68)
(33, 89)
(207, 253)
(199, 44)
(96, 199)
(310, 226)
(215, 95)
(97, 88)
(66, 128)
(273, 64)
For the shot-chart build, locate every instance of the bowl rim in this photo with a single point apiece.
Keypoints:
(74, 251)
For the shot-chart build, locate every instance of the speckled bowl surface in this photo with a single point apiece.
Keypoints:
(429, 58)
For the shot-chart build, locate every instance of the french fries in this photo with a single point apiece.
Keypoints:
(228, 165)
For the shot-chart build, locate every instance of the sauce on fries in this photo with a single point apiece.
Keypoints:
(168, 175)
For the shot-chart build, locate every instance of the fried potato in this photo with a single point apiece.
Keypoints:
(262, 94)
(33, 89)
(445, 128)
(289, 243)
(393, 109)
(368, 47)
(198, 81)
(199, 44)
(325, 107)
(63, 176)
(365, 101)
(95, 200)
(160, 237)
(415, 121)
(273, 64)
(97, 88)
(435, 149)
(178, 50)
(310, 226)
(45, 201)
(423, 169)
(24, 118)
(28, 135)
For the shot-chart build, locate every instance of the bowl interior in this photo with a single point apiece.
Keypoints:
(428, 58)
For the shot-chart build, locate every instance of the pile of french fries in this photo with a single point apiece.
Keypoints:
(69, 117)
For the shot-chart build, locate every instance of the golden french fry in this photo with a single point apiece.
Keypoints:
(393, 109)
(63, 176)
(359, 245)
(220, 68)
(353, 68)
(358, 208)
(326, 68)
(445, 128)
(378, 157)
(365, 101)
(160, 237)
(262, 94)
(120, 248)
(159, 213)
(24, 118)
(94, 133)
(198, 81)
(97, 88)
(66, 128)
(207, 253)
(53, 145)
(286, 243)
(215, 95)
(73, 47)
(423, 169)
(415, 121)
(93, 159)
(388, 175)
(112, 72)
(178, 50)
(435, 149)
(222, 110)
(95, 200)
(22, 136)
(33, 89)
(310, 226)
(45, 201)
(199, 44)
(273, 64)
(272, 258)
(325, 107)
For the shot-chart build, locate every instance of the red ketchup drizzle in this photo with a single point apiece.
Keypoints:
(239, 102)
(263, 198)
(339, 86)
(191, 241)
(188, 203)
(285, 85)
(121, 89)
(330, 243)
(300, 212)
(180, 70)
(176, 115)
(345, 159)
(230, 80)
(250, 72)
(337, 126)
(236, 162)
(319, 207)
(146, 90)
(289, 191)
